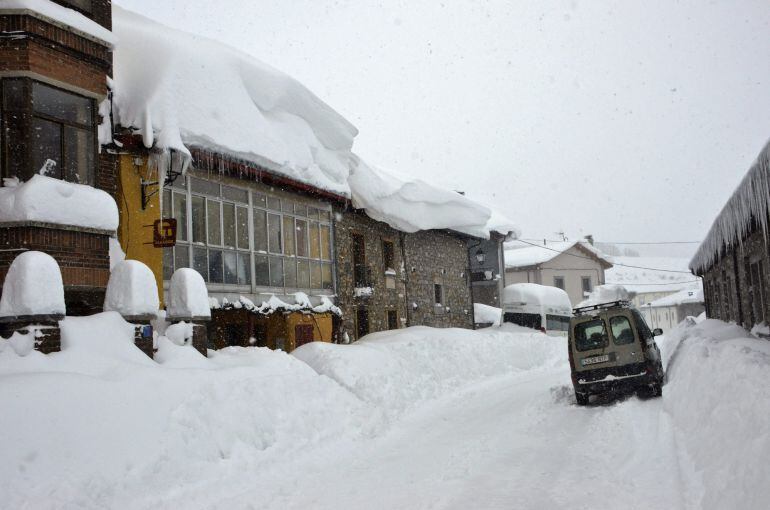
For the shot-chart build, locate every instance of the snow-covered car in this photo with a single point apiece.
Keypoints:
(540, 307)
(612, 348)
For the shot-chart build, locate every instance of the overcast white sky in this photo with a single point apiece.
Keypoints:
(628, 120)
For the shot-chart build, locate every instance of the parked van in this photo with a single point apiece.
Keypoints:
(547, 309)
(610, 348)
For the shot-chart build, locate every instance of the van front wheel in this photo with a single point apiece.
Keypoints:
(581, 398)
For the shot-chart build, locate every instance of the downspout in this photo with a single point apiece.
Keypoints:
(404, 264)
(738, 285)
(470, 283)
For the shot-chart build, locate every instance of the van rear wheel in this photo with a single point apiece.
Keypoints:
(581, 398)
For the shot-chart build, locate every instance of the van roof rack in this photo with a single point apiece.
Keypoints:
(601, 306)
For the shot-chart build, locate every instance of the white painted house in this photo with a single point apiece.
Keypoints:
(573, 266)
(668, 311)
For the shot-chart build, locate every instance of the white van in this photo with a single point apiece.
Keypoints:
(547, 309)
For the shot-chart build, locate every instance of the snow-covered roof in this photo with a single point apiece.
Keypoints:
(659, 279)
(680, 298)
(274, 304)
(531, 294)
(410, 204)
(52, 200)
(518, 254)
(58, 14)
(750, 202)
(183, 91)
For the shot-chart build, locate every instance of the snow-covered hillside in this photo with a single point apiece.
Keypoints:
(415, 418)
(638, 279)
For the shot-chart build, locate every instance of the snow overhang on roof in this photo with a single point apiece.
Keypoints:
(749, 202)
(59, 15)
(181, 91)
(410, 205)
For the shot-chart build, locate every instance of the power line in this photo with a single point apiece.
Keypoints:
(619, 242)
(614, 264)
(630, 284)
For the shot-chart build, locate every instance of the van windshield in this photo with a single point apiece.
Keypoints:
(591, 335)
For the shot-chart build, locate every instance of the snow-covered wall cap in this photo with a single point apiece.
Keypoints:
(687, 296)
(180, 91)
(409, 204)
(51, 11)
(750, 201)
(188, 297)
(52, 200)
(132, 290)
(33, 286)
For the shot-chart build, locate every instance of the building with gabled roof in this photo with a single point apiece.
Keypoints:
(573, 266)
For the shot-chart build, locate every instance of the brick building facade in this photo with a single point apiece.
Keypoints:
(53, 76)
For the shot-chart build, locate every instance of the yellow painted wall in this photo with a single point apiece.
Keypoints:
(321, 322)
(136, 225)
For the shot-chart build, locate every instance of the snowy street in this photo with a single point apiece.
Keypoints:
(420, 418)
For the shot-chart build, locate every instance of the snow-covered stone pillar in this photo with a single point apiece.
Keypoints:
(188, 301)
(133, 293)
(32, 302)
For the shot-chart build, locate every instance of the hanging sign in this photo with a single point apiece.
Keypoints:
(164, 233)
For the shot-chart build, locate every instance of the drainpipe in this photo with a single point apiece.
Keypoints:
(738, 285)
(470, 283)
(408, 306)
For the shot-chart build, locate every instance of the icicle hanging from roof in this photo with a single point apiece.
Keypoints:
(750, 202)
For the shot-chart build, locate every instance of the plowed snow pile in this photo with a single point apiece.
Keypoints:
(100, 425)
(719, 398)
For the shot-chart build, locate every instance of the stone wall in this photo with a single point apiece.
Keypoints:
(387, 291)
(737, 286)
(438, 258)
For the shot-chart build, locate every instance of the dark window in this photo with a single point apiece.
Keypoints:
(591, 335)
(362, 322)
(586, 281)
(641, 326)
(392, 319)
(85, 6)
(438, 293)
(622, 333)
(47, 128)
(558, 282)
(303, 334)
(556, 323)
(361, 273)
(388, 256)
(526, 320)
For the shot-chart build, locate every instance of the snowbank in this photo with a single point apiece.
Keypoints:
(132, 290)
(485, 314)
(48, 10)
(52, 200)
(395, 371)
(33, 286)
(100, 425)
(719, 400)
(188, 297)
(181, 91)
(410, 204)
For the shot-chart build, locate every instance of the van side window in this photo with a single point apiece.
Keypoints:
(591, 335)
(621, 330)
(641, 326)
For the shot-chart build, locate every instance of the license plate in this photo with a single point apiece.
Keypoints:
(595, 359)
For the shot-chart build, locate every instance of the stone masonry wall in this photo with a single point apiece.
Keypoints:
(382, 298)
(435, 257)
(732, 294)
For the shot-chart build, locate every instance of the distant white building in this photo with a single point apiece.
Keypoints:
(651, 278)
(573, 266)
(668, 311)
